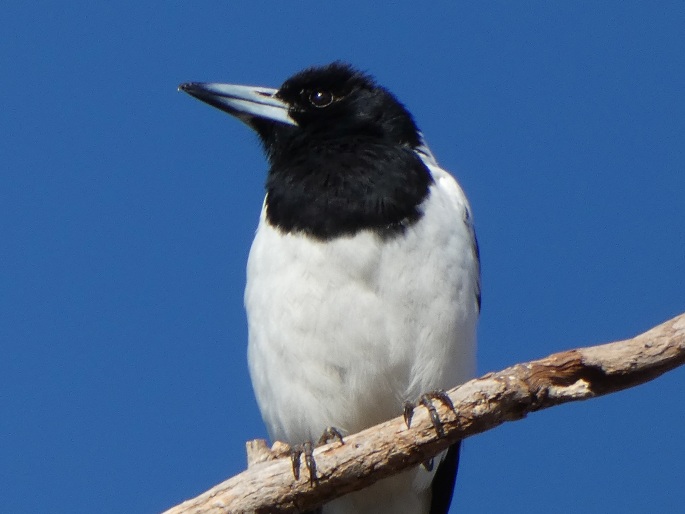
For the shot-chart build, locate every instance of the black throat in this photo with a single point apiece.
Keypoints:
(333, 187)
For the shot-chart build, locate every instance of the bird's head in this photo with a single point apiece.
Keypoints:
(318, 104)
(345, 154)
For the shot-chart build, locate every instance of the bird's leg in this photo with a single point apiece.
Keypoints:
(329, 435)
(408, 412)
(427, 401)
(307, 449)
(296, 452)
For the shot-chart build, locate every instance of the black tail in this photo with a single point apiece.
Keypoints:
(443, 482)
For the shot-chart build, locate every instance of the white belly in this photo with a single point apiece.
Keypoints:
(342, 332)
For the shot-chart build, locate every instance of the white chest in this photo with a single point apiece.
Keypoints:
(343, 331)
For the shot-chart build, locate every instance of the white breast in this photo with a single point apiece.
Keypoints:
(342, 332)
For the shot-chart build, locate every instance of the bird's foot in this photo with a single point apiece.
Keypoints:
(296, 451)
(330, 434)
(427, 401)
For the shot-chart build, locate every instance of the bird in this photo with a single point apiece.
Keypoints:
(363, 280)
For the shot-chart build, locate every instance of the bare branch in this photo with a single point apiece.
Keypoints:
(268, 485)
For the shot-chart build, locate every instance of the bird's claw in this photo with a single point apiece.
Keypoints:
(329, 435)
(427, 401)
(307, 449)
(408, 412)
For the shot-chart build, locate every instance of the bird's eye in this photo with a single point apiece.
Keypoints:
(320, 98)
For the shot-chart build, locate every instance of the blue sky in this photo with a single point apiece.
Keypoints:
(127, 211)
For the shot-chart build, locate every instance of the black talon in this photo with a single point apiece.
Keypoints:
(307, 448)
(295, 452)
(408, 413)
(310, 462)
(330, 434)
(428, 464)
(427, 402)
(443, 397)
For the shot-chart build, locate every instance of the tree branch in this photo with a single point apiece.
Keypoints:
(268, 485)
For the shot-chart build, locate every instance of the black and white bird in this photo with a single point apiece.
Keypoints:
(363, 280)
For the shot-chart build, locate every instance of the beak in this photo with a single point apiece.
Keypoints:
(244, 102)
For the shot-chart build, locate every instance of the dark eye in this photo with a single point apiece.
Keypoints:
(320, 98)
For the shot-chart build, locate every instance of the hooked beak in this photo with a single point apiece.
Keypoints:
(244, 102)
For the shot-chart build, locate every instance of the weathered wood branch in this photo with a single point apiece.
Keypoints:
(268, 485)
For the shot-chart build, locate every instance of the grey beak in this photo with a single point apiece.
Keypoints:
(243, 102)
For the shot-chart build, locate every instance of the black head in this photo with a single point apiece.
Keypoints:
(341, 149)
(337, 101)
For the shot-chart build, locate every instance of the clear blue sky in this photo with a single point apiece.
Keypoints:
(127, 211)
